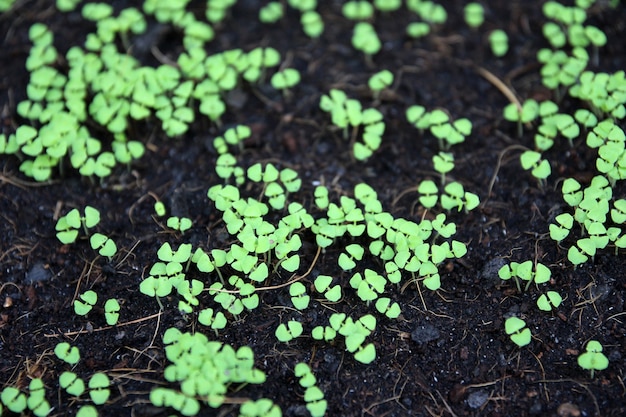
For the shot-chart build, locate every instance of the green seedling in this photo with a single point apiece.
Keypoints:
(525, 271)
(417, 30)
(285, 79)
(112, 311)
(549, 301)
(182, 224)
(347, 260)
(429, 193)
(388, 308)
(260, 408)
(322, 285)
(315, 402)
(303, 371)
(287, 332)
(593, 358)
(299, 297)
(358, 10)
(85, 302)
(572, 192)
(540, 168)
(36, 401)
(68, 225)
(380, 81)
(325, 333)
(474, 14)
(103, 244)
(14, 400)
(159, 208)
(165, 397)
(369, 285)
(561, 229)
(428, 11)
(387, 6)
(522, 115)
(365, 39)
(517, 331)
(499, 42)
(67, 353)
(312, 24)
(87, 411)
(443, 163)
(215, 320)
(272, 12)
(455, 196)
(72, 384)
(99, 388)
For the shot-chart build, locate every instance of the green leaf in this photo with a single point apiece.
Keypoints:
(71, 383)
(85, 302)
(67, 353)
(99, 388)
(13, 399)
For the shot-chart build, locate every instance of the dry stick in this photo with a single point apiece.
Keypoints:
(495, 174)
(504, 89)
(100, 329)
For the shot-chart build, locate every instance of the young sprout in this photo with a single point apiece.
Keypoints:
(443, 163)
(358, 10)
(387, 5)
(365, 39)
(67, 353)
(272, 12)
(524, 115)
(99, 388)
(593, 358)
(299, 297)
(386, 307)
(87, 411)
(103, 244)
(322, 285)
(312, 24)
(263, 407)
(182, 224)
(303, 371)
(37, 402)
(287, 332)
(380, 81)
(540, 168)
(499, 42)
(517, 331)
(72, 384)
(417, 29)
(85, 302)
(474, 15)
(112, 311)
(549, 301)
(347, 260)
(284, 80)
(315, 402)
(14, 400)
(325, 333)
(561, 229)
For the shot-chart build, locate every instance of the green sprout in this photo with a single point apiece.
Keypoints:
(388, 308)
(429, 193)
(522, 115)
(272, 12)
(540, 168)
(14, 400)
(303, 371)
(322, 285)
(380, 81)
(263, 407)
(287, 332)
(312, 24)
(517, 331)
(443, 163)
(474, 14)
(417, 29)
(325, 333)
(67, 353)
(525, 271)
(593, 358)
(72, 384)
(112, 311)
(499, 42)
(216, 320)
(285, 79)
(182, 224)
(357, 10)
(87, 411)
(99, 388)
(36, 401)
(365, 39)
(103, 244)
(561, 229)
(85, 302)
(549, 301)
(299, 297)
(387, 5)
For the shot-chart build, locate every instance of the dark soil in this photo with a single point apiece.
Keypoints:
(447, 355)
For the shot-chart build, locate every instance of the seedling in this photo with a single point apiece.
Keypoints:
(540, 168)
(549, 301)
(380, 81)
(287, 332)
(517, 331)
(593, 358)
(561, 229)
(215, 320)
(312, 24)
(386, 307)
(284, 80)
(522, 115)
(417, 29)
(474, 15)
(303, 371)
(272, 12)
(325, 333)
(322, 285)
(112, 311)
(99, 388)
(36, 401)
(103, 244)
(429, 193)
(182, 224)
(526, 272)
(87, 411)
(72, 384)
(315, 402)
(67, 353)
(443, 163)
(85, 302)
(260, 408)
(358, 10)
(365, 39)
(14, 400)
(299, 297)
(499, 42)
(347, 260)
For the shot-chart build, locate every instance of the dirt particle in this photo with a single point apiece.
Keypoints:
(568, 410)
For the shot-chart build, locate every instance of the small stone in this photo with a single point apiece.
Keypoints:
(477, 399)
(568, 410)
(424, 334)
(37, 273)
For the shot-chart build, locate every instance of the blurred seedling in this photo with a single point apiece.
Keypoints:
(380, 81)
(287, 332)
(284, 80)
(312, 24)
(272, 12)
(474, 15)
(523, 115)
(499, 42)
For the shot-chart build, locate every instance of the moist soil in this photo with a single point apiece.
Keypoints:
(447, 354)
